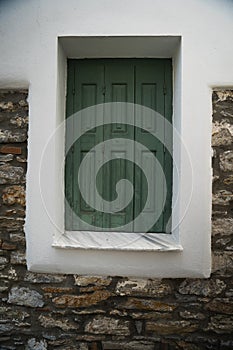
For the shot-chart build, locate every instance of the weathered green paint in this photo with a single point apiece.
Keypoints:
(139, 81)
(119, 85)
(149, 82)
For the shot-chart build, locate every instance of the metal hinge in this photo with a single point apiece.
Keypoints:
(104, 90)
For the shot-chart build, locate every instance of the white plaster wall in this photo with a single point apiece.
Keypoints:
(28, 58)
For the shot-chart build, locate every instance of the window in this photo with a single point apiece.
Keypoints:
(146, 82)
(185, 252)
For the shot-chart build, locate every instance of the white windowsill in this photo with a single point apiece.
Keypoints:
(131, 241)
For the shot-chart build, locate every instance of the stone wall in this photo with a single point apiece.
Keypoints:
(42, 311)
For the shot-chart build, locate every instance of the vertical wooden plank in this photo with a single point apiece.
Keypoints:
(89, 82)
(149, 82)
(119, 82)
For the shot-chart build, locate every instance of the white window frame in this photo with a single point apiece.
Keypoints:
(183, 253)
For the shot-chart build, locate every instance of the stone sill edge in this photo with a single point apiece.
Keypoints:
(130, 241)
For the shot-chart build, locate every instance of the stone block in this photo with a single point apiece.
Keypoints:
(222, 137)
(222, 262)
(26, 297)
(188, 315)
(43, 278)
(222, 197)
(6, 105)
(14, 195)
(9, 274)
(3, 260)
(11, 149)
(18, 237)
(84, 281)
(6, 158)
(205, 287)
(32, 344)
(143, 287)
(19, 121)
(226, 161)
(221, 324)
(63, 323)
(4, 286)
(6, 328)
(223, 227)
(11, 136)
(228, 180)
(11, 174)
(131, 345)
(9, 224)
(223, 306)
(171, 327)
(146, 304)
(18, 258)
(8, 246)
(56, 290)
(150, 315)
(107, 325)
(83, 300)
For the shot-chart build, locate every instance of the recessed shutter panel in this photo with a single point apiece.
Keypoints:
(149, 82)
(119, 82)
(88, 91)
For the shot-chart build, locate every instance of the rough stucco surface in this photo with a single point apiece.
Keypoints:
(42, 311)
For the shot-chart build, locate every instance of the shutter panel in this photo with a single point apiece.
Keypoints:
(149, 82)
(119, 81)
(89, 82)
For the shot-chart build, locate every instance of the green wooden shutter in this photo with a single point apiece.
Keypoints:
(142, 81)
(88, 80)
(149, 82)
(119, 83)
